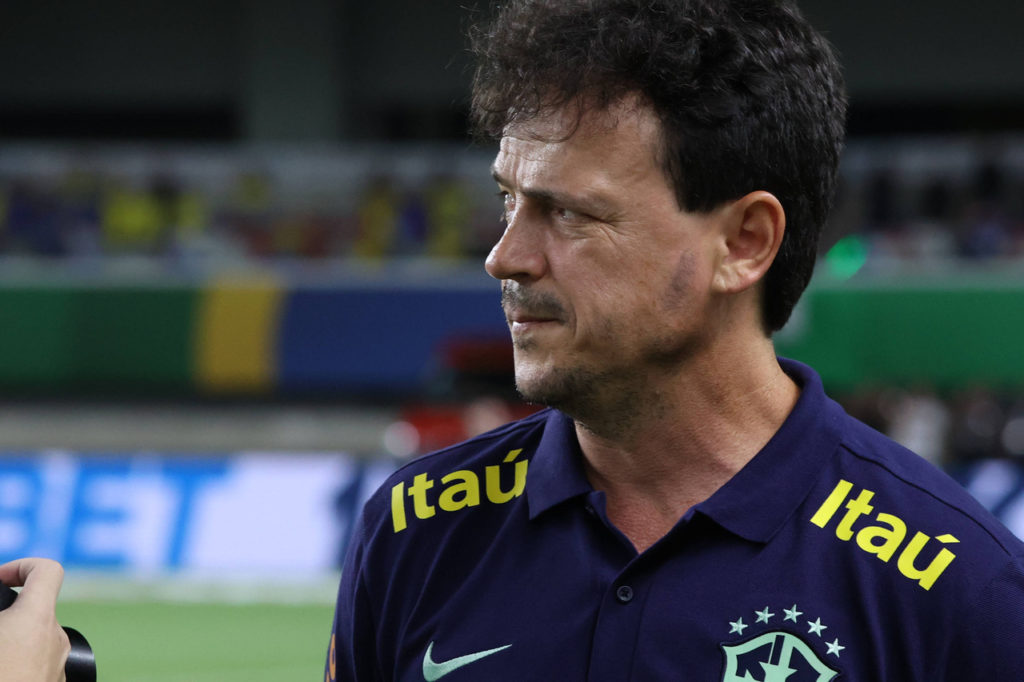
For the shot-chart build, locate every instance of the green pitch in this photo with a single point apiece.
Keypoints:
(186, 642)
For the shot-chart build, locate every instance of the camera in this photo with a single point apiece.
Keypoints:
(81, 664)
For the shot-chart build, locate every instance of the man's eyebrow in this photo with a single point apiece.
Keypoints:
(549, 197)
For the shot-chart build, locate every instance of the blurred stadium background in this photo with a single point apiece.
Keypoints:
(240, 279)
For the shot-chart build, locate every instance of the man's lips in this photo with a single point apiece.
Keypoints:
(524, 323)
(524, 318)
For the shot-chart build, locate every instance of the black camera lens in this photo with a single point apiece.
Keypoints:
(81, 664)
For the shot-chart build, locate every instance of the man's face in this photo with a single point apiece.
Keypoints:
(605, 281)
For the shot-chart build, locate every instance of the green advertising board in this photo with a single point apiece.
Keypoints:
(937, 329)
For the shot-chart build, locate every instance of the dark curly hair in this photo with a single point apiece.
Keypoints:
(750, 97)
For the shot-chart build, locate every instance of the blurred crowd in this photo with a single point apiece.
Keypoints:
(952, 199)
(977, 219)
(935, 202)
(228, 207)
(953, 430)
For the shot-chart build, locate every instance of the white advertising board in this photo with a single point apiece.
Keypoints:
(280, 514)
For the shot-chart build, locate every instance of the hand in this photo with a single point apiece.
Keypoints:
(33, 647)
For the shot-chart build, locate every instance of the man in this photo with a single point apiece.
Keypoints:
(33, 646)
(692, 507)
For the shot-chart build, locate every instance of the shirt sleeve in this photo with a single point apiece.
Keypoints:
(352, 655)
(991, 644)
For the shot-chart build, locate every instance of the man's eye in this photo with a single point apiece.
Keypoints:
(568, 215)
(507, 204)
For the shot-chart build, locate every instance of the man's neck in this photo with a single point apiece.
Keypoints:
(675, 454)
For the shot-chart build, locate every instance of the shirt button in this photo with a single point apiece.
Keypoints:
(624, 594)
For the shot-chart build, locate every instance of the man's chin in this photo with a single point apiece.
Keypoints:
(558, 387)
(536, 390)
(529, 392)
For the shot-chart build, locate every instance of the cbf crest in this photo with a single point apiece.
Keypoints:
(780, 654)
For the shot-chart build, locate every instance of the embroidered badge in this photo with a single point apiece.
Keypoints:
(781, 654)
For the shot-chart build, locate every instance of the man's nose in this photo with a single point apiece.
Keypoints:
(519, 254)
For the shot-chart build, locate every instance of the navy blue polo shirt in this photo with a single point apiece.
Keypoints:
(835, 554)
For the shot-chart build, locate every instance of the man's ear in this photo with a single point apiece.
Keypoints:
(752, 231)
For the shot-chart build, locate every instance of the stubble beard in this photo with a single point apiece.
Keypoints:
(608, 401)
(616, 398)
(564, 388)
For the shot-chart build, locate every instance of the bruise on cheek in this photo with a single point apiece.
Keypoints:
(680, 284)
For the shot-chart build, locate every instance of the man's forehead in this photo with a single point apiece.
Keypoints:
(582, 118)
(597, 154)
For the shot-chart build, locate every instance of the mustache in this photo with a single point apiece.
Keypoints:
(535, 304)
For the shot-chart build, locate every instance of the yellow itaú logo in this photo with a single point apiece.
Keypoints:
(461, 489)
(885, 537)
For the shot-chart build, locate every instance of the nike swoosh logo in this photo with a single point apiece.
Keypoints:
(434, 671)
